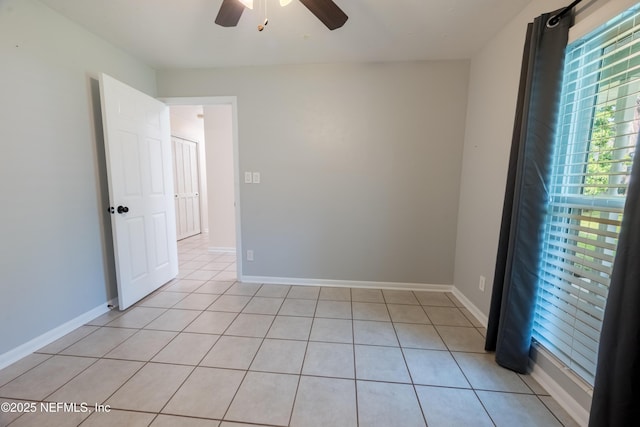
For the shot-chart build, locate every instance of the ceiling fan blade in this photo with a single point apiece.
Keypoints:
(229, 13)
(327, 11)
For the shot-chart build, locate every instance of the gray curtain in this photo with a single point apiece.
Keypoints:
(616, 395)
(515, 280)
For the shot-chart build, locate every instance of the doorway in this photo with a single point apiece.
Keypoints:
(219, 171)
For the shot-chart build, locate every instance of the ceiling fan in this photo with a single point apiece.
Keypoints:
(325, 10)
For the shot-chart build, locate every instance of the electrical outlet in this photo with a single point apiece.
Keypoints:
(249, 255)
(481, 283)
(256, 177)
(248, 178)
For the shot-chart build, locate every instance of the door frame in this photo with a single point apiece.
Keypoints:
(233, 102)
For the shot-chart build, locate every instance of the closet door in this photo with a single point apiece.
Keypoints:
(187, 191)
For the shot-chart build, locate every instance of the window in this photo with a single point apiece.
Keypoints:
(598, 129)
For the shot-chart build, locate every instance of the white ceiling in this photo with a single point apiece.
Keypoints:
(181, 33)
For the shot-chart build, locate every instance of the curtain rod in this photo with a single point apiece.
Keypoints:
(555, 20)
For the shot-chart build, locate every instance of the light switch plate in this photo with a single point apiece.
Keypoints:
(256, 177)
(248, 178)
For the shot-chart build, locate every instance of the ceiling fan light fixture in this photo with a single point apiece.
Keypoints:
(247, 3)
(327, 11)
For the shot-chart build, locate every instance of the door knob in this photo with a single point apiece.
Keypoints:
(123, 209)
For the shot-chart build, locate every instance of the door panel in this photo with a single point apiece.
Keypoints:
(138, 152)
(128, 159)
(161, 225)
(137, 250)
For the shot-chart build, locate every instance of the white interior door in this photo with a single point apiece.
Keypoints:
(138, 152)
(187, 191)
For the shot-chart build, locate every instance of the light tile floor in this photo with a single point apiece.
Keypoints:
(205, 350)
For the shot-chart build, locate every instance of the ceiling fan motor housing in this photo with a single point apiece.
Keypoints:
(326, 11)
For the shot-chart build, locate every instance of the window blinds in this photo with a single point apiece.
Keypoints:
(598, 131)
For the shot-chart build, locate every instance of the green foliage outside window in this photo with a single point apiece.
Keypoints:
(601, 150)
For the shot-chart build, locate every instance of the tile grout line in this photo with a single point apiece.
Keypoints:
(550, 410)
(353, 344)
(98, 358)
(197, 248)
(58, 388)
(475, 393)
(194, 368)
(145, 363)
(304, 356)
(246, 371)
(472, 388)
(406, 364)
(424, 415)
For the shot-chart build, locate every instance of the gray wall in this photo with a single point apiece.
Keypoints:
(360, 166)
(53, 253)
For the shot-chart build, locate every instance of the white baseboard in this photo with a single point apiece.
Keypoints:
(38, 342)
(551, 383)
(471, 307)
(347, 283)
(547, 381)
(221, 250)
